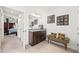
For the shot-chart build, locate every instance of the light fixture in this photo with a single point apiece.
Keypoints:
(36, 15)
(12, 11)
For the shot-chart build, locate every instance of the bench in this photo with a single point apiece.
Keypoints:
(59, 37)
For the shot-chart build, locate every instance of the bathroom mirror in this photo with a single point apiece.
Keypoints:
(34, 20)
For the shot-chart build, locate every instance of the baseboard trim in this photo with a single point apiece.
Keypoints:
(75, 51)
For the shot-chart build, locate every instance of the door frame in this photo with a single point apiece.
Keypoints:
(21, 31)
(2, 21)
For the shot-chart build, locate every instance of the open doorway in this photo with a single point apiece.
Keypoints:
(11, 24)
(11, 27)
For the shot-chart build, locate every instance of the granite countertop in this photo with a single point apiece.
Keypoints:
(33, 30)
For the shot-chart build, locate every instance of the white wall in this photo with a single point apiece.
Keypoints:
(69, 30)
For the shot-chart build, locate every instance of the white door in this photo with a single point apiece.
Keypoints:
(21, 32)
(1, 24)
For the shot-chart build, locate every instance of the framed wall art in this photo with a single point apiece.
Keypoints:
(63, 20)
(51, 19)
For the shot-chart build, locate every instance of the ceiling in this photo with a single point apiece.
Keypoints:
(24, 8)
(33, 9)
(9, 11)
(20, 9)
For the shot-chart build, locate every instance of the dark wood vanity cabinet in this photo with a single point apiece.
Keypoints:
(36, 37)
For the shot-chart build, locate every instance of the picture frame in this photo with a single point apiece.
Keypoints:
(51, 19)
(63, 20)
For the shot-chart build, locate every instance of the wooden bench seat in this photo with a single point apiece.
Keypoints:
(59, 38)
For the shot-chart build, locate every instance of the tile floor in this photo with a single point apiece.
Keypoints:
(13, 45)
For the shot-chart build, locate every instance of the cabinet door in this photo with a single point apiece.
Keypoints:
(38, 37)
(35, 38)
(43, 35)
(30, 38)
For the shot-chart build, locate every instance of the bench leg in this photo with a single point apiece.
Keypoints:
(65, 46)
